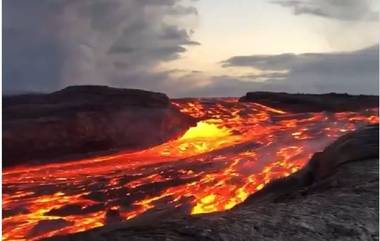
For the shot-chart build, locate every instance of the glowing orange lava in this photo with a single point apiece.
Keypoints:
(235, 149)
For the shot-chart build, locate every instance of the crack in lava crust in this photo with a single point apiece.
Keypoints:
(235, 149)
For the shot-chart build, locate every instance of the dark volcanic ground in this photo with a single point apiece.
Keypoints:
(298, 103)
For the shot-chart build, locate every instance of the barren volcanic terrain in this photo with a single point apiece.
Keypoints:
(226, 151)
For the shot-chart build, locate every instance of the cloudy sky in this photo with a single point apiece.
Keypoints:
(192, 47)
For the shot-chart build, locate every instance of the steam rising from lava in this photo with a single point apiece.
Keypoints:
(235, 149)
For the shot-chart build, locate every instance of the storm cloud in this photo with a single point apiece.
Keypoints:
(355, 72)
(49, 44)
(351, 10)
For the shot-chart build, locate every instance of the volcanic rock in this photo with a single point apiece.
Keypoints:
(14, 211)
(44, 226)
(299, 103)
(113, 216)
(83, 119)
(335, 197)
(74, 209)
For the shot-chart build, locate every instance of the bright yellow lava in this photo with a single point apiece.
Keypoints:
(205, 205)
(205, 130)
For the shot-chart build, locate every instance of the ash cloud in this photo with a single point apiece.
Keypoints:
(346, 10)
(50, 44)
(354, 72)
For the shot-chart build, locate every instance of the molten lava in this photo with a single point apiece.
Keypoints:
(233, 151)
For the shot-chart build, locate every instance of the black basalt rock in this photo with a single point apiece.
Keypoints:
(78, 120)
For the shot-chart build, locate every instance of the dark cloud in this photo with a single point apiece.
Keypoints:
(265, 76)
(336, 9)
(49, 44)
(354, 72)
(183, 10)
(264, 62)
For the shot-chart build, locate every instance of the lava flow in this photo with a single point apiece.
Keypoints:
(235, 149)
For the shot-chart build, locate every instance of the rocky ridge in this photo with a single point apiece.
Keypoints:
(299, 103)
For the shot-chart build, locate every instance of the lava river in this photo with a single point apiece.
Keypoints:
(235, 149)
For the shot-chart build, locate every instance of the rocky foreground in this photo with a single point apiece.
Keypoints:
(83, 119)
(335, 197)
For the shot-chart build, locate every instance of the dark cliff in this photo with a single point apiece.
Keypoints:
(83, 119)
